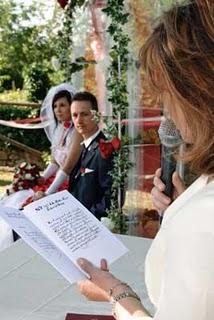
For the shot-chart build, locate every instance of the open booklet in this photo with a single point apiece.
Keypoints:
(61, 230)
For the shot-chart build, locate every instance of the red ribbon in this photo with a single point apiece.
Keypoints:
(29, 120)
(82, 170)
(108, 147)
(62, 3)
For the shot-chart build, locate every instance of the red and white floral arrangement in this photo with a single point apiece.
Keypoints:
(25, 177)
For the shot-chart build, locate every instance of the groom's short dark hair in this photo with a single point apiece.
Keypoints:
(86, 96)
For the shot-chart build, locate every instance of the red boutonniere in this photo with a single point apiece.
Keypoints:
(82, 171)
(108, 147)
(67, 124)
(62, 3)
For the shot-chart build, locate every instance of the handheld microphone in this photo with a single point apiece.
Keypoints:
(170, 139)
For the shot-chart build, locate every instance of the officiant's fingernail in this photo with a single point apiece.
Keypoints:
(80, 261)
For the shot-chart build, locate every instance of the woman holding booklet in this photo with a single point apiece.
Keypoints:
(178, 60)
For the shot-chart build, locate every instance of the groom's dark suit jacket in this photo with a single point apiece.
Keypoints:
(90, 181)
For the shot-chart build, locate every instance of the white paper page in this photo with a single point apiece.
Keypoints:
(40, 243)
(74, 228)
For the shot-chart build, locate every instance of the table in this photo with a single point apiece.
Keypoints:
(31, 289)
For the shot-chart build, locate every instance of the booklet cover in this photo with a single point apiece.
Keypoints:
(61, 230)
(76, 316)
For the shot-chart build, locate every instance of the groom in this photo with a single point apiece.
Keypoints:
(90, 181)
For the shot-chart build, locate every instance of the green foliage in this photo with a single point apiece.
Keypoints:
(118, 97)
(117, 91)
(14, 95)
(46, 157)
(75, 3)
(37, 83)
(79, 64)
(64, 48)
(34, 138)
(23, 43)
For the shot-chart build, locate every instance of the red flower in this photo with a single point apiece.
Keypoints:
(108, 147)
(62, 3)
(116, 143)
(26, 184)
(40, 181)
(67, 124)
(82, 170)
(42, 188)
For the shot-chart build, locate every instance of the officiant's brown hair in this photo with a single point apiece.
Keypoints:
(178, 58)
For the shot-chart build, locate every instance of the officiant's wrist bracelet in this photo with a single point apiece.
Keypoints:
(111, 290)
(125, 294)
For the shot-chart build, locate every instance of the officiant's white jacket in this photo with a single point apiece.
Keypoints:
(180, 263)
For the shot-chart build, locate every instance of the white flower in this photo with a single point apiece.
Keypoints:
(108, 223)
(96, 115)
(22, 165)
(28, 176)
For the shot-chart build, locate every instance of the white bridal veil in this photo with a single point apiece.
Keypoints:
(46, 112)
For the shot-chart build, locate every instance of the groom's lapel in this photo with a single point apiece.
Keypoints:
(90, 153)
(94, 145)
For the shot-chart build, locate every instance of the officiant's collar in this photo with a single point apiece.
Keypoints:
(88, 141)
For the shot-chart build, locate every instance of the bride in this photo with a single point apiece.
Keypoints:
(65, 151)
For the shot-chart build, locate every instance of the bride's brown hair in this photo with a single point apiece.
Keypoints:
(178, 57)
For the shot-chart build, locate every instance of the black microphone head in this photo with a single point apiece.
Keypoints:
(168, 134)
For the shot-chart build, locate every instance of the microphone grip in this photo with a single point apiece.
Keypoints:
(168, 166)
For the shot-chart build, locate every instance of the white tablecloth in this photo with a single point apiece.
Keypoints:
(31, 289)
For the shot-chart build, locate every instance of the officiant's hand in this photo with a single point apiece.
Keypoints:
(159, 199)
(100, 282)
(91, 291)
